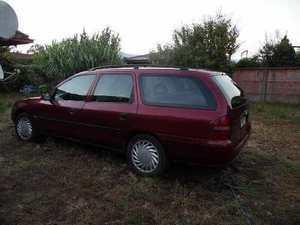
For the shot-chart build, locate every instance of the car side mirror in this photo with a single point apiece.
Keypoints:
(46, 97)
(49, 96)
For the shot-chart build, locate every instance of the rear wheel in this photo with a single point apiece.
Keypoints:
(146, 155)
(25, 129)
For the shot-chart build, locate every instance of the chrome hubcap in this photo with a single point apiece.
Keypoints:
(24, 128)
(145, 156)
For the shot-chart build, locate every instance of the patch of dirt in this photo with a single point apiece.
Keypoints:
(60, 182)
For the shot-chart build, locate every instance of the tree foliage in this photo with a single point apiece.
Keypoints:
(81, 52)
(278, 53)
(275, 52)
(298, 58)
(254, 61)
(5, 58)
(209, 44)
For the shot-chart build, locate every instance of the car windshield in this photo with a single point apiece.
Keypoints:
(234, 95)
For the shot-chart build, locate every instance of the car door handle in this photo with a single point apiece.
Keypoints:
(72, 111)
(124, 116)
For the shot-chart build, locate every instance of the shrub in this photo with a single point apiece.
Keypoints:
(209, 44)
(5, 58)
(298, 58)
(249, 62)
(278, 52)
(61, 59)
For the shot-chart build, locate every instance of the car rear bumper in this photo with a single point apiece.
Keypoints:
(212, 154)
(220, 155)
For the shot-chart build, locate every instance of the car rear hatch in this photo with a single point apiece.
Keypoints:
(238, 107)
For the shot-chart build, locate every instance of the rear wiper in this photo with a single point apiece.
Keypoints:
(238, 100)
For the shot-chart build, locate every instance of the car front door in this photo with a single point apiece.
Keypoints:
(59, 115)
(108, 116)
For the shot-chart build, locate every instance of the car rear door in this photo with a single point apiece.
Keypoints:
(109, 113)
(178, 108)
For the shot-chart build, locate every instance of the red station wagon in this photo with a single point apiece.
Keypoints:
(153, 114)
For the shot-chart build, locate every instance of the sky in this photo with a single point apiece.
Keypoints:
(142, 24)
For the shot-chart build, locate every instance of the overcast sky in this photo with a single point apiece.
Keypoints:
(143, 24)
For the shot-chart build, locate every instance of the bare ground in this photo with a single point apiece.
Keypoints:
(60, 182)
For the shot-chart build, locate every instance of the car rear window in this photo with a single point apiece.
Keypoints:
(232, 93)
(176, 91)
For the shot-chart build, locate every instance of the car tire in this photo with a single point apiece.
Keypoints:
(25, 129)
(146, 156)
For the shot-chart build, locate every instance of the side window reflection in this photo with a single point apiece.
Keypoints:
(75, 89)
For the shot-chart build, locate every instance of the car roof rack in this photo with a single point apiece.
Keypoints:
(137, 66)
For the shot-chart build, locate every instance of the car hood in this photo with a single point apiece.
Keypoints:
(33, 98)
(30, 100)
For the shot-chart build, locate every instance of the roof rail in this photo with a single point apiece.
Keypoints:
(136, 66)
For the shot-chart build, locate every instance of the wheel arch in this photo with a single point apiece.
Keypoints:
(163, 161)
(134, 133)
(17, 113)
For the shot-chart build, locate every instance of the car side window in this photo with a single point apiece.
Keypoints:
(176, 91)
(114, 88)
(75, 89)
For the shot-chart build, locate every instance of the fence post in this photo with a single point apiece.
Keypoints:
(265, 84)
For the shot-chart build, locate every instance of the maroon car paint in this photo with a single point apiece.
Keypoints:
(184, 132)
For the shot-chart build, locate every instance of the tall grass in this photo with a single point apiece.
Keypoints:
(81, 52)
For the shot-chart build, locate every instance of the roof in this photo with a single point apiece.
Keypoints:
(18, 39)
(151, 67)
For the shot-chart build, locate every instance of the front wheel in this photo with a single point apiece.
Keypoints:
(24, 128)
(146, 155)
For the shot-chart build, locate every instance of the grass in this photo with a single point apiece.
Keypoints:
(277, 111)
(4, 105)
(61, 182)
(6, 101)
(291, 167)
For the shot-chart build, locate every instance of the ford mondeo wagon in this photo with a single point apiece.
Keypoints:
(152, 114)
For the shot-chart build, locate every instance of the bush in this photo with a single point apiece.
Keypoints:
(209, 44)
(5, 58)
(59, 60)
(279, 52)
(298, 58)
(249, 62)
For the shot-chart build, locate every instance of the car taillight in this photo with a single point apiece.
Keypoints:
(221, 129)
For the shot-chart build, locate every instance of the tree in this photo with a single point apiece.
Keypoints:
(298, 58)
(209, 44)
(278, 52)
(164, 55)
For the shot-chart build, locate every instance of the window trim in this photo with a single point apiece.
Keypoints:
(73, 77)
(100, 75)
(172, 105)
